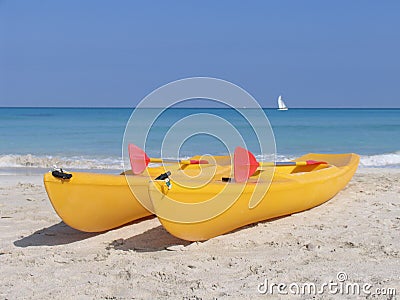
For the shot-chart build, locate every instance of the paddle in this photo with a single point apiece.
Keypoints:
(139, 160)
(245, 164)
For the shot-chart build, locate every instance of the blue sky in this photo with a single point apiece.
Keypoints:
(113, 53)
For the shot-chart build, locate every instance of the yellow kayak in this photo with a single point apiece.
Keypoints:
(201, 212)
(94, 202)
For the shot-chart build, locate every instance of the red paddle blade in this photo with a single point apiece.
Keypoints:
(315, 162)
(138, 158)
(198, 162)
(245, 164)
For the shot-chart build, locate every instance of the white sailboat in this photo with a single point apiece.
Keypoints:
(281, 104)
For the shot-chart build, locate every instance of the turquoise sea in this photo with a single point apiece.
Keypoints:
(91, 138)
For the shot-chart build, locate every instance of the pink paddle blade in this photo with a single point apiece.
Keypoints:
(315, 162)
(245, 164)
(138, 159)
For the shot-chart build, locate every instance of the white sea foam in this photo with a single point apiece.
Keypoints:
(271, 157)
(381, 160)
(115, 163)
(75, 162)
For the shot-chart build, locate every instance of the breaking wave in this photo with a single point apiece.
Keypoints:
(391, 160)
(381, 160)
(75, 162)
(386, 160)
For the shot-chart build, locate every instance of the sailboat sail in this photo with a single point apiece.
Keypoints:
(281, 104)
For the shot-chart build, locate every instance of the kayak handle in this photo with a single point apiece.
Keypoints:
(61, 174)
(165, 177)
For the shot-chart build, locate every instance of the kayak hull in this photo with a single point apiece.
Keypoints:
(293, 189)
(95, 202)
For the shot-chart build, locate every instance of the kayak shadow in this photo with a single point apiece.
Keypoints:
(152, 240)
(158, 239)
(62, 234)
(58, 234)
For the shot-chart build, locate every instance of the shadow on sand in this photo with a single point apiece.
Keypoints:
(154, 239)
(58, 234)
(61, 234)
(158, 239)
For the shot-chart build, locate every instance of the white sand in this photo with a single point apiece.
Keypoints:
(357, 232)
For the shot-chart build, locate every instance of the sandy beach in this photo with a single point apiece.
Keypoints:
(356, 235)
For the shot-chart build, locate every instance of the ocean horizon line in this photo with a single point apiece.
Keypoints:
(193, 107)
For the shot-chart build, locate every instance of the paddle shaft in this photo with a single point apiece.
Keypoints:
(289, 163)
(246, 164)
(181, 161)
(262, 164)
